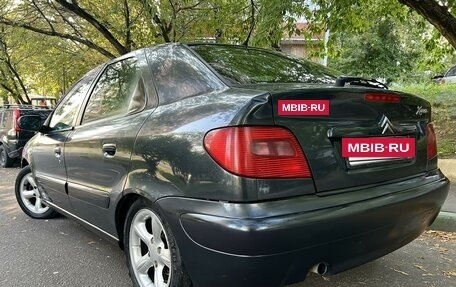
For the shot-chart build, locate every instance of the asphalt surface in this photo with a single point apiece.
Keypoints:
(60, 252)
(448, 167)
(450, 202)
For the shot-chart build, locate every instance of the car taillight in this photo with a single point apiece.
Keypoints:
(385, 98)
(431, 141)
(257, 152)
(16, 116)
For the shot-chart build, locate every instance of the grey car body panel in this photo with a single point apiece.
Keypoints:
(48, 166)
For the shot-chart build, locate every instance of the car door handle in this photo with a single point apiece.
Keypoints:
(57, 151)
(109, 150)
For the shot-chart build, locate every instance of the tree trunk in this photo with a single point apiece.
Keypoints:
(437, 15)
(72, 6)
(252, 24)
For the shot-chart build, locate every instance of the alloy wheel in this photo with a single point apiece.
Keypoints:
(30, 196)
(150, 255)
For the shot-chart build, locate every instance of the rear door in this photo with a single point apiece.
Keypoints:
(48, 161)
(97, 154)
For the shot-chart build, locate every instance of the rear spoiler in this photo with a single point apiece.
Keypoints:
(358, 81)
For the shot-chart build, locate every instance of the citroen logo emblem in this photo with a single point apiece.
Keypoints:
(386, 125)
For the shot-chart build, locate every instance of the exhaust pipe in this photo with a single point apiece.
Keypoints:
(319, 268)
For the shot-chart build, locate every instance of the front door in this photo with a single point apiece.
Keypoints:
(48, 161)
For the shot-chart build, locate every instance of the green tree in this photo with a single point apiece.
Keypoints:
(376, 53)
(114, 28)
(69, 37)
(429, 44)
(59, 40)
(11, 82)
(357, 15)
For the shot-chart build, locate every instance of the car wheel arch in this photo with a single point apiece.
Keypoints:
(122, 207)
(24, 163)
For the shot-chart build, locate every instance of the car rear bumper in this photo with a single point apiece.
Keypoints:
(277, 242)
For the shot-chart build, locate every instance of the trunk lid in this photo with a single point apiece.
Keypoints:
(351, 115)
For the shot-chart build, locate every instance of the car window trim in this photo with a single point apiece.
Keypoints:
(107, 119)
(116, 116)
(145, 97)
(75, 120)
(152, 100)
(53, 132)
(95, 82)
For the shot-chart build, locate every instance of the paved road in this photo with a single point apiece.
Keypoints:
(450, 202)
(448, 167)
(59, 252)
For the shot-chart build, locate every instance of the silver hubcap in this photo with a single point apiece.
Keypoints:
(30, 196)
(150, 255)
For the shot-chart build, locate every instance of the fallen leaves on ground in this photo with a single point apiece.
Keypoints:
(449, 274)
(442, 235)
(402, 272)
(440, 249)
(420, 267)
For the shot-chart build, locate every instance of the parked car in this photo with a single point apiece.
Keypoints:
(44, 102)
(186, 156)
(447, 78)
(12, 138)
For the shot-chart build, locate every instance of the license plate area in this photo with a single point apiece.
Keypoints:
(368, 151)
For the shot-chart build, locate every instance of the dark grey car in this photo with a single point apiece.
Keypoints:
(183, 154)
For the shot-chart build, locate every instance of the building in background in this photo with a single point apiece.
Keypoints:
(305, 44)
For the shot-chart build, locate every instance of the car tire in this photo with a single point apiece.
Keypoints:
(152, 260)
(29, 198)
(5, 160)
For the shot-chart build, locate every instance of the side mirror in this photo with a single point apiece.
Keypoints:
(30, 123)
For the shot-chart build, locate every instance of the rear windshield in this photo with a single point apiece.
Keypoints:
(246, 65)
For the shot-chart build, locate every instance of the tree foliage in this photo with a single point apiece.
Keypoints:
(61, 38)
(50, 43)
(10, 79)
(381, 52)
(418, 32)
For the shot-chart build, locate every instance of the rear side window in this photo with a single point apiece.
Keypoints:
(245, 65)
(179, 74)
(119, 91)
(66, 112)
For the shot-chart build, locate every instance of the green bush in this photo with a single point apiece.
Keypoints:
(443, 101)
(434, 93)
